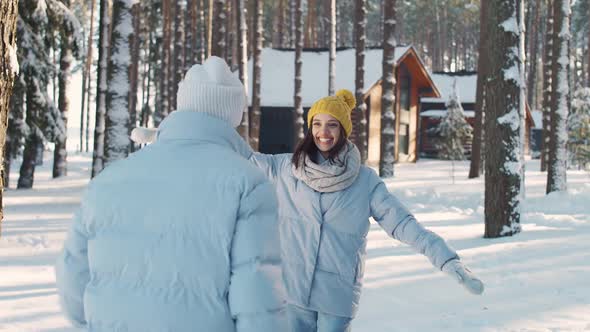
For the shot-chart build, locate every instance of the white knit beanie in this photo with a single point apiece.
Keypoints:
(213, 89)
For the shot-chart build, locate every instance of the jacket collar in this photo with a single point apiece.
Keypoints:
(203, 128)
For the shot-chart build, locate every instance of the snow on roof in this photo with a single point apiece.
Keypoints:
(442, 113)
(466, 87)
(278, 72)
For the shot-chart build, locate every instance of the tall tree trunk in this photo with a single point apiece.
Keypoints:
(482, 63)
(309, 39)
(503, 124)
(218, 47)
(134, 69)
(332, 66)
(210, 28)
(547, 95)
(147, 84)
(280, 26)
(60, 151)
(101, 89)
(190, 23)
(241, 11)
(560, 97)
(297, 101)
(387, 156)
(8, 71)
(178, 65)
(163, 107)
(522, 100)
(292, 26)
(16, 130)
(231, 47)
(86, 78)
(202, 32)
(87, 113)
(359, 118)
(27, 168)
(41, 115)
(257, 64)
(588, 50)
(116, 139)
(534, 48)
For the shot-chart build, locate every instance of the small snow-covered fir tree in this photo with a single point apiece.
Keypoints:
(579, 130)
(453, 129)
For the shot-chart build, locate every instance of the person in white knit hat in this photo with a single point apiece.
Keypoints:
(183, 234)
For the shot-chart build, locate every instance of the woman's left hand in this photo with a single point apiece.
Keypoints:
(464, 276)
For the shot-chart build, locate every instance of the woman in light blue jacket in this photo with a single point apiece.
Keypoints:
(326, 198)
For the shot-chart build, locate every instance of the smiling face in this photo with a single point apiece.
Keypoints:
(326, 132)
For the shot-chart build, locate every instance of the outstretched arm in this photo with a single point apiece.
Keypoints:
(256, 293)
(270, 164)
(400, 224)
(72, 273)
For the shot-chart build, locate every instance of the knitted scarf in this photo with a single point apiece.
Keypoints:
(331, 176)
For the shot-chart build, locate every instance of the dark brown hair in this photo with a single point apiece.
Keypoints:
(307, 147)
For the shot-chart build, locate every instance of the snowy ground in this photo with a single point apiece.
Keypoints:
(535, 281)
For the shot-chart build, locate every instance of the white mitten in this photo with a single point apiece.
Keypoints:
(464, 276)
(143, 135)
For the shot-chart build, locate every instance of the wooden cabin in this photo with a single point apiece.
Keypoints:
(412, 82)
(433, 109)
(277, 87)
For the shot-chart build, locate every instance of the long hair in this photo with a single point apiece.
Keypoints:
(307, 147)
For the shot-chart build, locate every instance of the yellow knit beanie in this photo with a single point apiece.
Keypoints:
(339, 106)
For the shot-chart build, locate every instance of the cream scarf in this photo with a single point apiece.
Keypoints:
(331, 176)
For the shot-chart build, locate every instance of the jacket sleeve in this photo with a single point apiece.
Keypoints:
(256, 292)
(400, 224)
(72, 273)
(270, 164)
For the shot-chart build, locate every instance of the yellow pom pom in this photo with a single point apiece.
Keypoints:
(347, 96)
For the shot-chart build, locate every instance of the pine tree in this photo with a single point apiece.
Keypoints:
(387, 157)
(579, 130)
(8, 71)
(503, 120)
(135, 42)
(359, 136)
(86, 79)
(42, 117)
(257, 68)
(241, 11)
(454, 131)
(547, 67)
(163, 104)
(17, 128)
(332, 66)
(177, 51)
(116, 139)
(533, 49)
(101, 89)
(560, 97)
(476, 163)
(297, 101)
(64, 76)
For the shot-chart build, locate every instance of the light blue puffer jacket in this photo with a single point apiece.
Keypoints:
(180, 236)
(324, 235)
